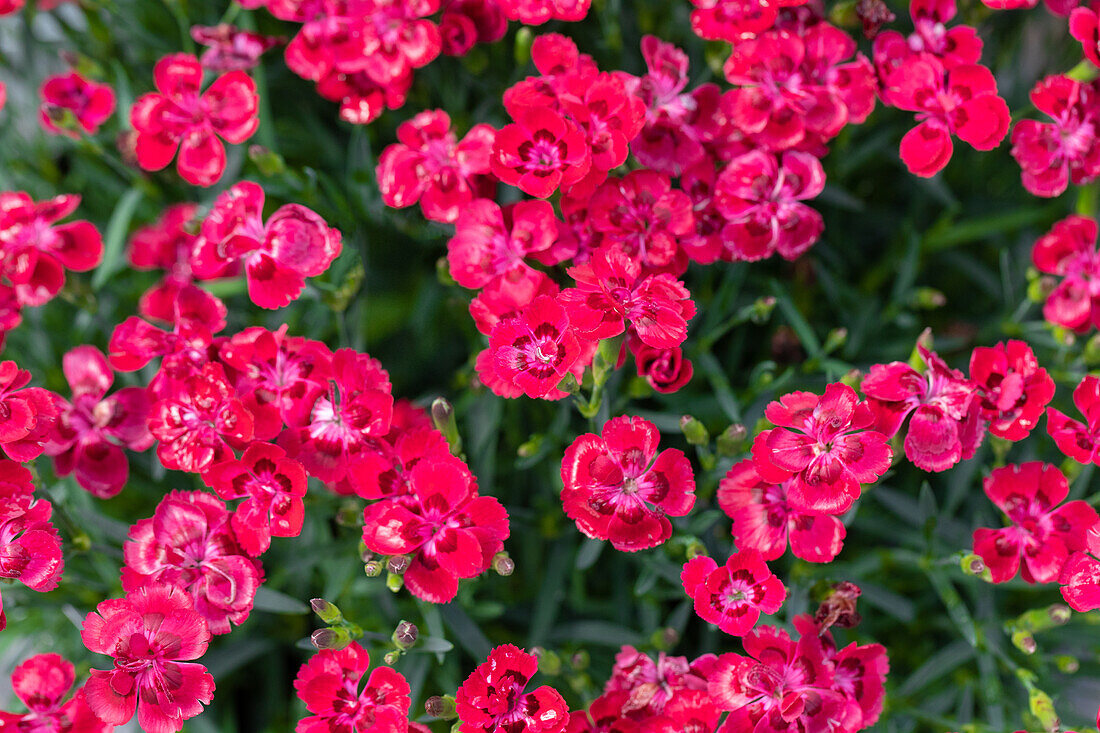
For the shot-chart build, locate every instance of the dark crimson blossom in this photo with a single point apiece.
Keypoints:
(178, 117)
(34, 253)
(859, 671)
(532, 352)
(1080, 441)
(537, 12)
(153, 634)
(41, 683)
(825, 445)
(486, 16)
(329, 686)
(1084, 25)
(930, 37)
(1051, 154)
(961, 101)
(491, 243)
(764, 520)
(780, 685)
(450, 531)
(641, 215)
(761, 196)
(277, 377)
(196, 425)
(618, 488)
(278, 255)
(93, 429)
(493, 697)
(1080, 578)
(1042, 534)
(228, 48)
(665, 370)
(189, 543)
(604, 715)
(431, 165)
(1069, 250)
(947, 424)
(71, 96)
(611, 291)
(272, 486)
(1014, 388)
(540, 152)
(332, 429)
(28, 415)
(30, 548)
(733, 596)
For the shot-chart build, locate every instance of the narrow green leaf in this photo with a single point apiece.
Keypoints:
(114, 239)
(467, 633)
(272, 601)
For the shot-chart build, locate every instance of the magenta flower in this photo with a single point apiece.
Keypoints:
(1079, 440)
(89, 103)
(826, 444)
(27, 416)
(30, 548)
(93, 429)
(493, 699)
(1069, 250)
(535, 350)
(229, 48)
(540, 152)
(1051, 154)
(733, 596)
(329, 686)
(491, 243)
(41, 683)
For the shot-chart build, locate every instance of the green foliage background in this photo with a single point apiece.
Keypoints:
(892, 245)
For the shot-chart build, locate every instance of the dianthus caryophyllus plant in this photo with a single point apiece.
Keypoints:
(493, 699)
(30, 548)
(329, 686)
(492, 243)
(764, 519)
(34, 252)
(229, 48)
(1080, 441)
(28, 415)
(93, 429)
(1042, 534)
(532, 352)
(178, 117)
(41, 683)
(1051, 154)
(88, 103)
(449, 530)
(154, 636)
(617, 487)
(827, 446)
(930, 37)
(277, 255)
(430, 165)
(189, 543)
(1080, 577)
(734, 595)
(1014, 388)
(540, 152)
(537, 12)
(947, 423)
(1069, 250)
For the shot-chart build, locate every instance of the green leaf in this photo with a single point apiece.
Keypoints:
(467, 633)
(936, 666)
(114, 239)
(272, 601)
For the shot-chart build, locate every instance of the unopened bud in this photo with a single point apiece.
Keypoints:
(664, 639)
(580, 660)
(852, 378)
(1024, 641)
(443, 417)
(391, 657)
(335, 638)
(694, 431)
(1067, 664)
(549, 662)
(762, 309)
(503, 564)
(974, 565)
(1059, 614)
(836, 339)
(443, 272)
(394, 582)
(350, 514)
(531, 447)
(328, 612)
(372, 568)
(81, 542)
(838, 608)
(404, 636)
(270, 163)
(1042, 707)
(694, 548)
(731, 441)
(928, 299)
(398, 564)
(441, 707)
(569, 384)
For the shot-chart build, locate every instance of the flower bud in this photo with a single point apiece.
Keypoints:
(1042, 707)
(731, 441)
(503, 564)
(398, 564)
(694, 431)
(394, 582)
(441, 707)
(664, 639)
(762, 309)
(1059, 614)
(404, 636)
(270, 163)
(443, 417)
(328, 612)
(335, 638)
(836, 339)
(928, 299)
(531, 447)
(443, 272)
(549, 662)
(580, 660)
(350, 514)
(372, 568)
(81, 542)
(1024, 641)
(972, 564)
(391, 657)
(1067, 664)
